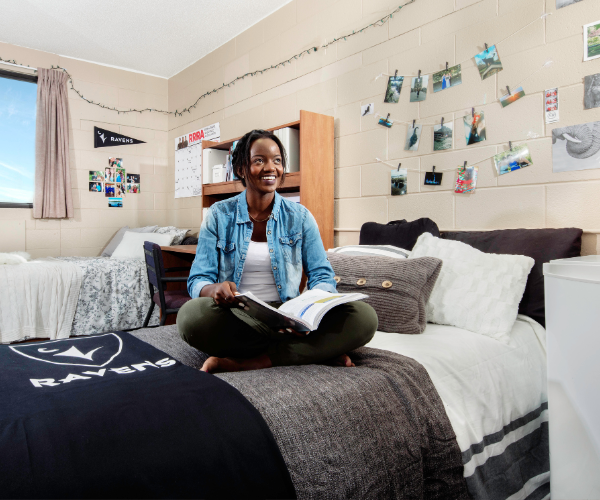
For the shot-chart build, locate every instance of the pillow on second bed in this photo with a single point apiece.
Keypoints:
(132, 244)
(178, 234)
(477, 291)
(114, 243)
(398, 289)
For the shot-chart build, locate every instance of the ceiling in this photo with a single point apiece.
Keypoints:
(156, 37)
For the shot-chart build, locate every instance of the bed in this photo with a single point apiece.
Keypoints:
(494, 395)
(87, 294)
(342, 433)
(448, 413)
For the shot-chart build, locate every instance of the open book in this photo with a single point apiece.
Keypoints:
(303, 314)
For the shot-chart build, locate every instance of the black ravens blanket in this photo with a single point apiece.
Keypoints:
(108, 416)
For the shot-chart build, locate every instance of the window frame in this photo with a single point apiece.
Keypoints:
(13, 75)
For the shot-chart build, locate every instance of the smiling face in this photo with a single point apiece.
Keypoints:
(266, 167)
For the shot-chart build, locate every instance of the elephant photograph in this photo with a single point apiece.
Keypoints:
(576, 147)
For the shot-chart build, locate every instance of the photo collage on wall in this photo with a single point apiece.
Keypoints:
(574, 147)
(114, 182)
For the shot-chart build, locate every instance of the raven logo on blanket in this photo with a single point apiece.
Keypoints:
(80, 432)
(97, 351)
(105, 138)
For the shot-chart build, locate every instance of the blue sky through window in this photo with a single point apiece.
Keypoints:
(17, 140)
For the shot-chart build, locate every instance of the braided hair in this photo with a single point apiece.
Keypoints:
(240, 159)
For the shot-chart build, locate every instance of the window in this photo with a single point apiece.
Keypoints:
(18, 95)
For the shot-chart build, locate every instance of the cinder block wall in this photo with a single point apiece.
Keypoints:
(94, 223)
(425, 35)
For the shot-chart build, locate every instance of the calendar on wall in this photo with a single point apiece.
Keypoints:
(188, 160)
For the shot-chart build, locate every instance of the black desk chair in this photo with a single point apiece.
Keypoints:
(169, 302)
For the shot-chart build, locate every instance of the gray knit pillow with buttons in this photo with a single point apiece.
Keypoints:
(398, 289)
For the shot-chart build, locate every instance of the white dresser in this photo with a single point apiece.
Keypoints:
(572, 288)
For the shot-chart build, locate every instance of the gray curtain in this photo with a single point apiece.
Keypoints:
(53, 198)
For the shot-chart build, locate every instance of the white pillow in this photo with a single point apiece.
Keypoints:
(476, 291)
(374, 250)
(132, 244)
(114, 243)
(178, 234)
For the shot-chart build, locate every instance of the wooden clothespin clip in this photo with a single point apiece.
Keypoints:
(446, 65)
(419, 74)
(465, 166)
(442, 121)
(388, 118)
(396, 73)
(413, 123)
(510, 145)
(486, 46)
(508, 90)
(433, 169)
(473, 112)
(399, 164)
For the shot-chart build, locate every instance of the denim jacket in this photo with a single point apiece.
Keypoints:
(292, 236)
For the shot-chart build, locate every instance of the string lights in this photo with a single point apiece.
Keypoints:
(380, 75)
(189, 109)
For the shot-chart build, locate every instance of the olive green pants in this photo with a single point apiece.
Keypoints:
(231, 333)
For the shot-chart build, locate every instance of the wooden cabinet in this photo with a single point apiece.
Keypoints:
(314, 181)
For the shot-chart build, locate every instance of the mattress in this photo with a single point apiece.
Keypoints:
(495, 396)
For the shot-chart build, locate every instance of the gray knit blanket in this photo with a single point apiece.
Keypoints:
(375, 431)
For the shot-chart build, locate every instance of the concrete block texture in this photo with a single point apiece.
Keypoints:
(437, 206)
(354, 212)
(94, 222)
(424, 35)
(501, 208)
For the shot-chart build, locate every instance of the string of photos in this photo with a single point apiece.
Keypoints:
(466, 175)
(311, 50)
(488, 64)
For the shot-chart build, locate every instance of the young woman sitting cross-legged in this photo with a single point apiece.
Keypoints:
(259, 241)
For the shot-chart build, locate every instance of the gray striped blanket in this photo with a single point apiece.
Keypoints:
(381, 431)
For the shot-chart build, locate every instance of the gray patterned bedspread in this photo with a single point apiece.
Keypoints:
(375, 431)
(114, 295)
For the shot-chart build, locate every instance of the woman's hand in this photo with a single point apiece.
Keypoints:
(222, 293)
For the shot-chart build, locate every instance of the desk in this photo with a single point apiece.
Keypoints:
(178, 256)
(180, 249)
(182, 255)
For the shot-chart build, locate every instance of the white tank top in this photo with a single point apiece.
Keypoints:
(257, 276)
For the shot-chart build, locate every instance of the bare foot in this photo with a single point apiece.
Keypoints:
(216, 365)
(343, 360)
